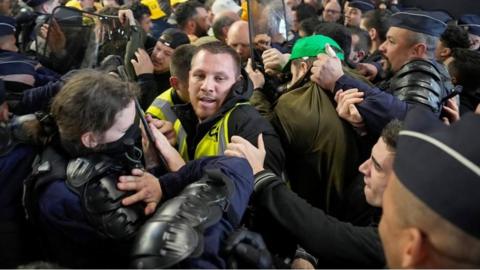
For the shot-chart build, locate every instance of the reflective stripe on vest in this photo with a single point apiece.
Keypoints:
(165, 108)
(161, 108)
(181, 139)
(214, 143)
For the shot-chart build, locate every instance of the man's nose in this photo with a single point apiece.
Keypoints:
(363, 168)
(382, 48)
(208, 84)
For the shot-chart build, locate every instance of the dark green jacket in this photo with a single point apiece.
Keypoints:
(320, 148)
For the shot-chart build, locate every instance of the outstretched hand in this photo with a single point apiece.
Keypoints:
(171, 155)
(143, 64)
(255, 76)
(239, 147)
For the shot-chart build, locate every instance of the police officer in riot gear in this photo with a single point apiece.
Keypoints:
(418, 80)
(91, 196)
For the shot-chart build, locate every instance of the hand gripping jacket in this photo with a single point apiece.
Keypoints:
(175, 232)
(95, 179)
(422, 82)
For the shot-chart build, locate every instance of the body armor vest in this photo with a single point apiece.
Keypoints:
(423, 82)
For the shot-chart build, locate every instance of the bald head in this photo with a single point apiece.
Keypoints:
(238, 39)
(222, 22)
(227, 14)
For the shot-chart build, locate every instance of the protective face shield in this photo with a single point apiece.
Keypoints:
(272, 18)
(77, 39)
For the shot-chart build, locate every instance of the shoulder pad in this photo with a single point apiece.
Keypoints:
(173, 243)
(422, 82)
(420, 66)
(81, 170)
(47, 167)
(50, 165)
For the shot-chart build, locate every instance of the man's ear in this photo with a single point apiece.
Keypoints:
(415, 250)
(419, 49)
(225, 32)
(191, 25)
(372, 33)
(89, 139)
(173, 82)
(4, 112)
(304, 66)
(361, 55)
(445, 52)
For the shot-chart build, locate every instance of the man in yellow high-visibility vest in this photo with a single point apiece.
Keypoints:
(162, 106)
(219, 90)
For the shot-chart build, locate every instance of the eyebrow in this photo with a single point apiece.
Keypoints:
(375, 162)
(203, 71)
(221, 73)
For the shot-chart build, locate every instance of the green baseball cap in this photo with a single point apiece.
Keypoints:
(311, 46)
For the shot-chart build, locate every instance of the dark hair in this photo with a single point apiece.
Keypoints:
(390, 134)
(218, 47)
(341, 34)
(139, 10)
(181, 60)
(455, 37)
(364, 41)
(304, 12)
(379, 20)
(308, 26)
(186, 11)
(89, 101)
(466, 68)
(220, 22)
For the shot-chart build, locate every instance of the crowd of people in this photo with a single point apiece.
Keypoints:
(238, 134)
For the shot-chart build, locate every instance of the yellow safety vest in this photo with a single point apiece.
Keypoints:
(161, 108)
(214, 143)
(154, 8)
